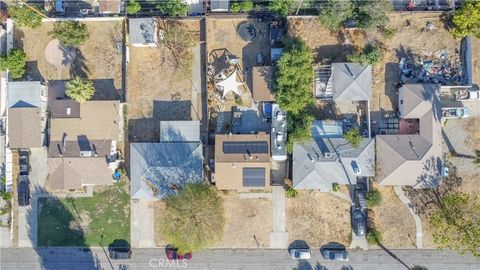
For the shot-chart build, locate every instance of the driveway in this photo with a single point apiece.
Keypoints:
(142, 224)
(27, 215)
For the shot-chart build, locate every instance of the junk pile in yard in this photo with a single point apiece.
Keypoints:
(437, 68)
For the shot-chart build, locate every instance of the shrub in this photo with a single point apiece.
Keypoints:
(6, 196)
(388, 32)
(70, 33)
(281, 7)
(25, 16)
(243, 6)
(291, 192)
(353, 137)
(80, 90)
(133, 7)
(173, 8)
(335, 187)
(373, 198)
(369, 55)
(374, 237)
(15, 62)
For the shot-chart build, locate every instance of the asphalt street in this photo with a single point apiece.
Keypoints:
(96, 258)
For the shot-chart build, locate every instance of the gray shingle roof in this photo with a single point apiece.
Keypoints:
(157, 168)
(178, 131)
(24, 94)
(351, 81)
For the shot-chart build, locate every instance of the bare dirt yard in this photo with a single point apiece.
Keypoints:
(247, 221)
(99, 58)
(411, 39)
(394, 221)
(318, 218)
(159, 91)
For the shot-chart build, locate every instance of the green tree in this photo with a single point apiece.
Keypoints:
(466, 20)
(353, 137)
(70, 33)
(281, 7)
(133, 7)
(335, 13)
(173, 8)
(15, 62)
(243, 6)
(299, 128)
(369, 55)
(80, 89)
(476, 161)
(371, 14)
(373, 198)
(193, 219)
(25, 16)
(455, 224)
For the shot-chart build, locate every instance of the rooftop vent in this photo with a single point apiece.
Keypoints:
(328, 154)
(68, 110)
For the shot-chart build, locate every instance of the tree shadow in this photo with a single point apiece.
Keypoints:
(32, 73)
(78, 66)
(50, 224)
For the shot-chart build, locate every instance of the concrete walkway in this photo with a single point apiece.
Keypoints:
(278, 236)
(142, 224)
(418, 222)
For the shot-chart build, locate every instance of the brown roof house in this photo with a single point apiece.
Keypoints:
(242, 161)
(413, 157)
(109, 6)
(83, 139)
(24, 114)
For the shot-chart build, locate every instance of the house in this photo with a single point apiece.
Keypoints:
(242, 161)
(82, 143)
(344, 82)
(262, 84)
(413, 157)
(142, 32)
(159, 169)
(24, 114)
(109, 6)
(328, 159)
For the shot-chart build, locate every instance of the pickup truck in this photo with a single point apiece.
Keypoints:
(452, 112)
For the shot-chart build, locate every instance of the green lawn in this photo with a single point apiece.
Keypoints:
(83, 221)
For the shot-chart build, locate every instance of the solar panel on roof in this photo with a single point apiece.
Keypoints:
(245, 147)
(253, 177)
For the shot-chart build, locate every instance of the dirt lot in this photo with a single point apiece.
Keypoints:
(318, 218)
(394, 221)
(98, 58)
(411, 38)
(157, 91)
(244, 220)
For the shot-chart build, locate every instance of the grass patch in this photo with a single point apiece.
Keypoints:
(83, 221)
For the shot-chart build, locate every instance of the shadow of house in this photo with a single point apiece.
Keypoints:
(392, 73)
(32, 73)
(53, 225)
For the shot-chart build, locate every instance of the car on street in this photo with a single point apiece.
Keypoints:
(23, 193)
(335, 254)
(359, 223)
(172, 254)
(300, 253)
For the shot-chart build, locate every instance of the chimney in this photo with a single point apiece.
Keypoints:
(68, 110)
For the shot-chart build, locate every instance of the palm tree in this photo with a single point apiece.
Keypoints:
(477, 158)
(80, 89)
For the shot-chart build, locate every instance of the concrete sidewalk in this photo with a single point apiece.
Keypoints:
(278, 236)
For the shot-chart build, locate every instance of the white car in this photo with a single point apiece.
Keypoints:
(300, 254)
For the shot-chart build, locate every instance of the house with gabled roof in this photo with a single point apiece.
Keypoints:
(82, 143)
(328, 158)
(159, 169)
(24, 114)
(413, 157)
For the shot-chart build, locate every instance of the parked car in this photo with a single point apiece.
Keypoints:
(300, 253)
(172, 254)
(119, 249)
(335, 254)
(23, 193)
(359, 223)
